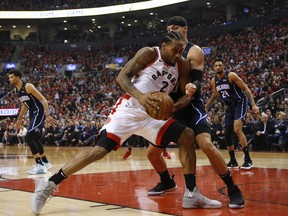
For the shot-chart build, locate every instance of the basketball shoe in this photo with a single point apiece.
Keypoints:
(248, 164)
(194, 199)
(236, 198)
(44, 189)
(161, 188)
(48, 165)
(127, 154)
(166, 155)
(39, 169)
(232, 164)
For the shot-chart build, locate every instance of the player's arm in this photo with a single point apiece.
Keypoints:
(132, 68)
(20, 116)
(214, 96)
(196, 59)
(184, 78)
(234, 78)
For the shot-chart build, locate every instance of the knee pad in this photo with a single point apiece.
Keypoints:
(229, 133)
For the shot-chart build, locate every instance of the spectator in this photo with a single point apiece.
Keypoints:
(263, 130)
(21, 135)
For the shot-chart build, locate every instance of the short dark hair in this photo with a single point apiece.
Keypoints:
(15, 73)
(219, 59)
(177, 20)
(172, 35)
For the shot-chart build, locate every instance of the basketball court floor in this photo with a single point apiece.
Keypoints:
(113, 186)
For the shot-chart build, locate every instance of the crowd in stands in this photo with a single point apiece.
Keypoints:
(81, 103)
(6, 52)
(151, 27)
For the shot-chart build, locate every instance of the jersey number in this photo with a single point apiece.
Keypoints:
(165, 84)
(224, 94)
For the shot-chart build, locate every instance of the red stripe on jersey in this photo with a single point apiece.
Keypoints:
(126, 96)
(163, 130)
(115, 138)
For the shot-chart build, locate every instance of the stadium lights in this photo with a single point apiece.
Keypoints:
(48, 14)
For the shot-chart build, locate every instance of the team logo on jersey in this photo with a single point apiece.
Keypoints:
(24, 98)
(222, 87)
(166, 74)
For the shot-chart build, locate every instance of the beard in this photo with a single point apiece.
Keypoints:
(220, 72)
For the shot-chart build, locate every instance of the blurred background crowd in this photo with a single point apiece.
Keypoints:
(80, 99)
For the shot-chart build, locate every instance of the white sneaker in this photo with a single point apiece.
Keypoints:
(39, 169)
(195, 199)
(48, 165)
(43, 190)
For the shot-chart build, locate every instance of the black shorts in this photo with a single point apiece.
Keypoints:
(236, 111)
(37, 120)
(194, 116)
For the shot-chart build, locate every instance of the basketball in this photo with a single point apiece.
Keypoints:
(166, 106)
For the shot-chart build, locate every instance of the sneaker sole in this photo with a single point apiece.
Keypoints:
(39, 173)
(234, 206)
(162, 192)
(49, 167)
(36, 173)
(202, 207)
(247, 168)
(234, 167)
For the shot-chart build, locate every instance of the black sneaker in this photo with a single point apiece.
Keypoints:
(232, 164)
(247, 164)
(161, 188)
(236, 198)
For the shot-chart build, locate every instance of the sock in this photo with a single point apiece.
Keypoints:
(227, 178)
(38, 160)
(165, 176)
(44, 159)
(190, 181)
(58, 177)
(129, 149)
(232, 155)
(246, 153)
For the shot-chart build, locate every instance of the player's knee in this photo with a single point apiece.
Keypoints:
(187, 138)
(206, 145)
(153, 153)
(238, 130)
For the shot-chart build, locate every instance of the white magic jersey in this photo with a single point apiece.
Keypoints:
(156, 76)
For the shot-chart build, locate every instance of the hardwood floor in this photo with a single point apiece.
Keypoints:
(114, 186)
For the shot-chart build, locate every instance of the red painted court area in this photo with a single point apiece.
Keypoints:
(265, 190)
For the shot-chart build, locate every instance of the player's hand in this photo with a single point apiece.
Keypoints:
(51, 120)
(149, 102)
(206, 108)
(190, 89)
(256, 109)
(18, 124)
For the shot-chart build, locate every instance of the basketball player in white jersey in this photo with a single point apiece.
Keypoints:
(151, 69)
